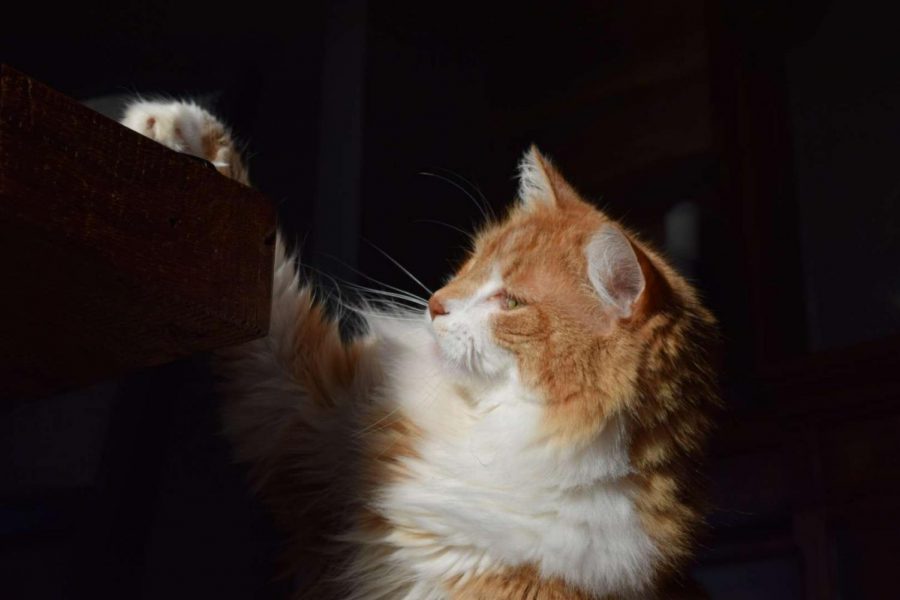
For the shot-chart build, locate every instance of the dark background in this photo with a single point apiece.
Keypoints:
(756, 143)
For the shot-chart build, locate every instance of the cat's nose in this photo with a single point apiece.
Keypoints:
(436, 308)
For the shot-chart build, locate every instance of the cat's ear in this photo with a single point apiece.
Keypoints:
(535, 185)
(614, 269)
(540, 184)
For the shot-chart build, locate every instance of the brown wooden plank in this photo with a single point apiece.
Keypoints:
(116, 252)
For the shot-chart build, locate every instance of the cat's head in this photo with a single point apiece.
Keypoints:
(567, 301)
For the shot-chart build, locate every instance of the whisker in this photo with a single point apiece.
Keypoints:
(478, 191)
(335, 282)
(378, 304)
(372, 279)
(372, 427)
(398, 293)
(381, 311)
(447, 225)
(468, 194)
(399, 266)
(405, 297)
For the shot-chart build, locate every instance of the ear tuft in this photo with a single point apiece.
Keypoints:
(614, 269)
(535, 187)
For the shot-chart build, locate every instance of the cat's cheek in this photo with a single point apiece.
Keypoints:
(517, 327)
(512, 345)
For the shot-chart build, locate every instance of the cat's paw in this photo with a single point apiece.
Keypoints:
(188, 128)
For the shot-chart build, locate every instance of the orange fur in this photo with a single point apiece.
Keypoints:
(525, 583)
(652, 369)
(522, 583)
(274, 444)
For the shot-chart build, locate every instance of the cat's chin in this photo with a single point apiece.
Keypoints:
(450, 367)
(459, 371)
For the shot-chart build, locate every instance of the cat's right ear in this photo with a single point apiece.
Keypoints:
(541, 185)
(535, 186)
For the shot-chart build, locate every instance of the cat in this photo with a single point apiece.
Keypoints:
(532, 431)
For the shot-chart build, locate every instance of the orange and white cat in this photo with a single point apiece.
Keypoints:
(529, 433)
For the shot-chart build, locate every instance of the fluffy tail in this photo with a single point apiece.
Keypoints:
(287, 398)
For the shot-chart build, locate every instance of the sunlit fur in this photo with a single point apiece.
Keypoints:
(189, 128)
(531, 439)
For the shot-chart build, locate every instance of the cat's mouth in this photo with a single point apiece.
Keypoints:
(467, 355)
(434, 350)
(453, 349)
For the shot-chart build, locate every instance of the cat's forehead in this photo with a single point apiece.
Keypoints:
(546, 235)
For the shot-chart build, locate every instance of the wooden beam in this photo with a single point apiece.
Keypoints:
(116, 252)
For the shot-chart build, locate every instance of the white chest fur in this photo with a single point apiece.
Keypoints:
(485, 492)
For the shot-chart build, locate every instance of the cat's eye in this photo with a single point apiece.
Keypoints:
(507, 302)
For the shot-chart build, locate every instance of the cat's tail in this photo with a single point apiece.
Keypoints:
(286, 396)
(288, 399)
(284, 393)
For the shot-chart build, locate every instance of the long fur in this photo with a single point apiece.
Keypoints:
(533, 438)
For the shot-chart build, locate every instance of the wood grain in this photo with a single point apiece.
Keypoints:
(116, 252)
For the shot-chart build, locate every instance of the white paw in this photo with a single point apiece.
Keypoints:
(182, 126)
(188, 128)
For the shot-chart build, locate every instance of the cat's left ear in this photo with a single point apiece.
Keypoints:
(614, 269)
(540, 184)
